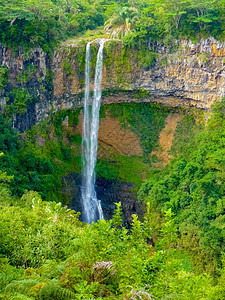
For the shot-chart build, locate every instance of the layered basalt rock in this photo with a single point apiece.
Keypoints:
(184, 74)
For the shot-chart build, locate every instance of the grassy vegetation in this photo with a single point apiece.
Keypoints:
(131, 169)
(185, 134)
(144, 119)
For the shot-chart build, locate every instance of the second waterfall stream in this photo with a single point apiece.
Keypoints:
(92, 209)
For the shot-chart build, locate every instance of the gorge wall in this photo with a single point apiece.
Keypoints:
(34, 84)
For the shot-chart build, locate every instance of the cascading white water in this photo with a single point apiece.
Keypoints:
(86, 139)
(92, 210)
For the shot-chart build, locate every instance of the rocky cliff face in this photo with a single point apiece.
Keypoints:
(34, 84)
(110, 192)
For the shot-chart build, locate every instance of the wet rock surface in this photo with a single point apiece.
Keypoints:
(109, 192)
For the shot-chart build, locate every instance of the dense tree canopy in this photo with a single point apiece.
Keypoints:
(31, 22)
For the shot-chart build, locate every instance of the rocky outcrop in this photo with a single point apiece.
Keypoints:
(185, 74)
(109, 192)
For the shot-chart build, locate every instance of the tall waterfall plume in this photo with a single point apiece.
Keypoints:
(92, 209)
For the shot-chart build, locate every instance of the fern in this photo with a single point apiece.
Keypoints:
(21, 286)
(53, 290)
(52, 269)
(20, 297)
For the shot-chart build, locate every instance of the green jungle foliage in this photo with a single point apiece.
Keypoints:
(38, 159)
(176, 252)
(21, 98)
(3, 77)
(192, 186)
(46, 253)
(31, 23)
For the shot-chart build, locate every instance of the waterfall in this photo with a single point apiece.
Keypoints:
(92, 210)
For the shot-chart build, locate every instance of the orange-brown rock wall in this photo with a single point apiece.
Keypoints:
(184, 74)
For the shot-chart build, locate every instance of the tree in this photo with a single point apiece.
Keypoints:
(204, 11)
(121, 22)
(13, 10)
(176, 9)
